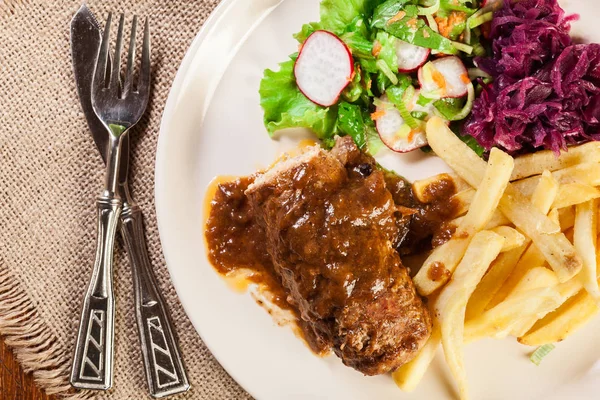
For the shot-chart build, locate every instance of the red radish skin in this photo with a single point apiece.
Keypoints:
(455, 75)
(410, 57)
(389, 124)
(324, 68)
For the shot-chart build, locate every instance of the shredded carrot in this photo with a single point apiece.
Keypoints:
(465, 78)
(411, 135)
(352, 76)
(413, 132)
(412, 23)
(377, 114)
(438, 78)
(445, 25)
(300, 47)
(426, 33)
(376, 48)
(369, 84)
(397, 17)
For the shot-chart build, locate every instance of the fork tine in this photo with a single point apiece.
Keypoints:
(100, 73)
(115, 76)
(130, 58)
(144, 80)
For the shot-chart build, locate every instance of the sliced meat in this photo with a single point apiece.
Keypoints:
(331, 225)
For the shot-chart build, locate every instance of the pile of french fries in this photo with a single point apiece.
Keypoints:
(523, 261)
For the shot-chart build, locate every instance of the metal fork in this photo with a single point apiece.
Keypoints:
(119, 107)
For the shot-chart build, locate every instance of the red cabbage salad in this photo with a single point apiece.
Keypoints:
(502, 75)
(546, 89)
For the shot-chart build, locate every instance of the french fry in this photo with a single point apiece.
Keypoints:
(463, 200)
(575, 285)
(566, 217)
(587, 174)
(563, 322)
(545, 192)
(569, 234)
(500, 320)
(567, 290)
(564, 196)
(570, 288)
(532, 258)
(455, 153)
(542, 199)
(558, 251)
(585, 235)
(485, 201)
(512, 237)
(536, 163)
(499, 271)
(535, 278)
(489, 192)
(571, 194)
(408, 376)
(451, 304)
(440, 264)
(498, 219)
(422, 188)
(556, 248)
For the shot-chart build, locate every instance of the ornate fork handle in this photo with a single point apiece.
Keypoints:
(164, 367)
(93, 360)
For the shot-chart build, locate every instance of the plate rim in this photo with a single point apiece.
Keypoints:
(175, 93)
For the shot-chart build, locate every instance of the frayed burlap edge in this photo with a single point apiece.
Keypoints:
(34, 346)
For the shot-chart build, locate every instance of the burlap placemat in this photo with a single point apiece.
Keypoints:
(50, 175)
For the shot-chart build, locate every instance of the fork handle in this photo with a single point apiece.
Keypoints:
(93, 360)
(164, 367)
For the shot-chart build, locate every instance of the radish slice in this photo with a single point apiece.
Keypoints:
(394, 133)
(324, 68)
(410, 57)
(444, 77)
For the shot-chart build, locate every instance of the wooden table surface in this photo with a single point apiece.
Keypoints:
(14, 384)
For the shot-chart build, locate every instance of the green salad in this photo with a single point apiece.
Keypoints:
(378, 70)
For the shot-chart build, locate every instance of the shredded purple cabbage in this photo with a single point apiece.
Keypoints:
(546, 90)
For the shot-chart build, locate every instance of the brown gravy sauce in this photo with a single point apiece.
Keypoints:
(237, 244)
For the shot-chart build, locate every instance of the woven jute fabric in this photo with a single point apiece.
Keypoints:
(50, 176)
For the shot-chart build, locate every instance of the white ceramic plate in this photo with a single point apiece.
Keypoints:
(212, 125)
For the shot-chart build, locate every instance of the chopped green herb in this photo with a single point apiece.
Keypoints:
(538, 355)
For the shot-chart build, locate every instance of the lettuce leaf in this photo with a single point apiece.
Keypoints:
(453, 5)
(410, 28)
(351, 123)
(387, 52)
(286, 107)
(357, 123)
(336, 15)
(388, 10)
(358, 44)
(307, 30)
